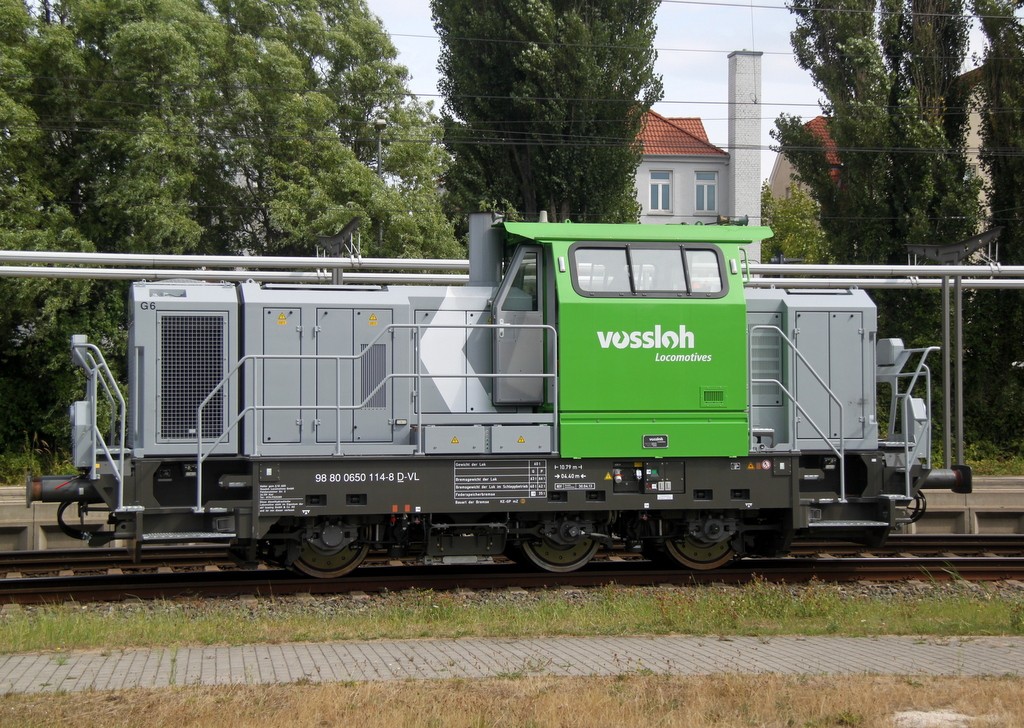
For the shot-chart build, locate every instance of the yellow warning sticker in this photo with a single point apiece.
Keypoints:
(607, 476)
(373, 319)
(282, 319)
(455, 441)
(521, 440)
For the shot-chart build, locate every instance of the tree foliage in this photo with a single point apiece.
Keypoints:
(896, 113)
(192, 126)
(996, 318)
(889, 74)
(795, 221)
(544, 101)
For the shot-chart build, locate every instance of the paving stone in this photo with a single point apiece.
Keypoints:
(478, 658)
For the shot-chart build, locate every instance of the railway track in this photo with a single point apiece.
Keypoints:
(199, 571)
(93, 562)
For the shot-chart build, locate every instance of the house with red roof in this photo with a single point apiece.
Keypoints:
(783, 175)
(684, 178)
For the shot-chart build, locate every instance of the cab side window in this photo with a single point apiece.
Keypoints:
(522, 295)
(602, 270)
(657, 269)
(705, 276)
(651, 270)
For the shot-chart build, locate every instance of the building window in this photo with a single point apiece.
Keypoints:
(707, 192)
(661, 192)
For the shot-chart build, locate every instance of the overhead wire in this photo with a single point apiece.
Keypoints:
(103, 126)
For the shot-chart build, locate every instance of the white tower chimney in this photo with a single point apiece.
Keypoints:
(745, 138)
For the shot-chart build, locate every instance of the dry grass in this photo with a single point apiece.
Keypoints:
(634, 700)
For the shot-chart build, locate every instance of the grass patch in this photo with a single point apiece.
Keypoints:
(36, 457)
(757, 609)
(985, 459)
(629, 700)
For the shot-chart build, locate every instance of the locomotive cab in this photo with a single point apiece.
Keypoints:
(651, 339)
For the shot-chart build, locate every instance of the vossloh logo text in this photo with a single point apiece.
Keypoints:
(656, 338)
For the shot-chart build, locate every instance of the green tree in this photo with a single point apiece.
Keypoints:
(795, 221)
(896, 114)
(996, 318)
(176, 126)
(38, 315)
(543, 103)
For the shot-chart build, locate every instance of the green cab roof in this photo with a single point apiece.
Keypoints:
(549, 232)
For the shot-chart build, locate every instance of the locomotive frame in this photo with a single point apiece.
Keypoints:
(593, 384)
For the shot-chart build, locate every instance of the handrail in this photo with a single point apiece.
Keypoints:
(90, 359)
(417, 376)
(903, 399)
(841, 450)
(744, 266)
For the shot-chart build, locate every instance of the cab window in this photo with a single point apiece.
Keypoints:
(705, 275)
(602, 270)
(657, 269)
(522, 294)
(647, 270)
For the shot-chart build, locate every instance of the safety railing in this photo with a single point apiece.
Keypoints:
(99, 378)
(901, 410)
(205, 449)
(840, 449)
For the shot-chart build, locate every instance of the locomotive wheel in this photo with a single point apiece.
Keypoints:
(558, 558)
(316, 563)
(699, 556)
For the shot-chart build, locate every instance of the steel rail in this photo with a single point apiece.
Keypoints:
(498, 576)
(188, 555)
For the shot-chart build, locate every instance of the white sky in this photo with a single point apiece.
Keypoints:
(694, 40)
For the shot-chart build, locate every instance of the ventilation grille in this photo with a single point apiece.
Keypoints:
(374, 372)
(713, 397)
(191, 365)
(766, 363)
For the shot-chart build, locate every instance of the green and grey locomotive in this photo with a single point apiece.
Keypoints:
(592, 385)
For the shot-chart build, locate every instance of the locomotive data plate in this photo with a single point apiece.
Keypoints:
(483, 481)
(279, 498)
(655, 441)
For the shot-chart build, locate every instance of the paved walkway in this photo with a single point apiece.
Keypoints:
(480, 658)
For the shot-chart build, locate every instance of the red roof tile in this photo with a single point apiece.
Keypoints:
(678, 136)
(691, 124)
(818, 126)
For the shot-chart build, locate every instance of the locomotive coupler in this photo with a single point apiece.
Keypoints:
(60, 489)
(957, 478)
